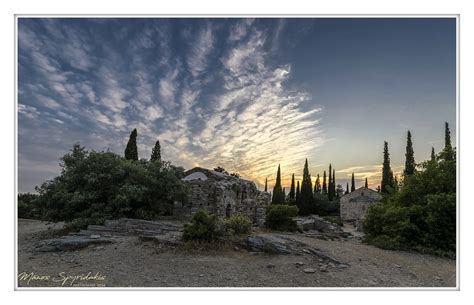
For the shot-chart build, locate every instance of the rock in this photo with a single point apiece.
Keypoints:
(331, 265)
(270, 266)
(323, 268)
(308, 270)
(437, 278)
(236, 248)
(69, 243)
(266, 244)
(201, 275)
(100, 248)
(95, 236)
(299, 264)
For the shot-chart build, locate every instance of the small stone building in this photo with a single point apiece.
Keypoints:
(223, 195)
(355, 204)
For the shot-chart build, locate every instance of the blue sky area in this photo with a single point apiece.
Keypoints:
(245, 94)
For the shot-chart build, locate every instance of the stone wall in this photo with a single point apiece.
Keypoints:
(222, 195)
(355, 204)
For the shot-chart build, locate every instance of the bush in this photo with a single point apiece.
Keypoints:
(239, 224)
(203, 226)
(280, 217)
(324, 207)
(28, 206)
(94, 186)
(421, 216)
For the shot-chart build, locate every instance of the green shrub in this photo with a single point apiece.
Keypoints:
(203, 226)
(28, 206)
(239, 224)
(280, 217)
(324, 207)
(94, 186)
(421, 216)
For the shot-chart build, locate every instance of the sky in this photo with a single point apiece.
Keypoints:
(244, 94)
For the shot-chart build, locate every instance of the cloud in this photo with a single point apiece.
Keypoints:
(211, 99)
(201, 48)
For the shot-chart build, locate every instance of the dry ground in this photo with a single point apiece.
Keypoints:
(131, 262)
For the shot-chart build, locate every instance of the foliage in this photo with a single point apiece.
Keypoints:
(324, 191)
(387, 174)
(28, 206)
(131, 151)
(156, 152)
(94, 186)
(237, 175)
(339, 191)
(305, 201)
(292, 194)
(353, 188)
(421, 215)
(409, 157)
(330, 188)
(220, 169)
(278, 197)
(238, 224)
(324, 207)
(280, 217)
(203, 226)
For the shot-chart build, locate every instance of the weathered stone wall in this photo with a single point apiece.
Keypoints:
(222, 195)
(355, 204)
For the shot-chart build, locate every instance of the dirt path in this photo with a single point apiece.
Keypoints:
(133, 263)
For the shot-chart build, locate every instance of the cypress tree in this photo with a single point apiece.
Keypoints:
(448, 152)
(292, 188)
(334, 182)
(347, 188)
(156, 152)
(366, 183)
(297, 195)
(266, 184)
(387, 174)
(409, 157)
(395, 184)
(318, 185)
(353, 187)
(131, 151)
(325, 188)
(306, 200)
(330, 193)
(278, 196)
(433, 156)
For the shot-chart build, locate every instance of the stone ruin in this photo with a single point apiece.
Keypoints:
(354, 205)
(223, 195)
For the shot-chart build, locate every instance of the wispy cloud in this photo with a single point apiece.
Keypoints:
(211, 99)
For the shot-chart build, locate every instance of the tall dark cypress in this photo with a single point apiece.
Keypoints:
(387, 174)
(292, 188)
(306, 200)
(347, 188)
(278, 197)
(366, 183)
(131, 151)
(448, 151)
(297, 195)
(353, 187)
(334, 182)
(409, 157)
(317, 186)
(330, 193)
(325, 187)
(433, 156)
(156, 152)
(266, 184)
